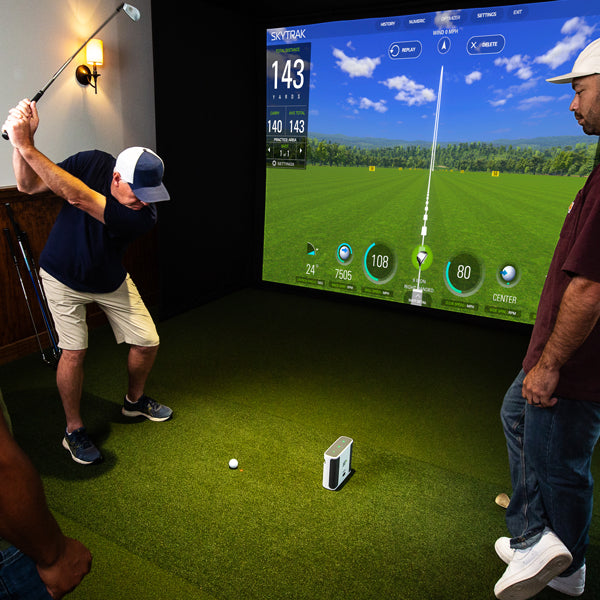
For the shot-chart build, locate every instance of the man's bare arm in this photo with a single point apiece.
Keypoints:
(63, 184)
(578, 314)
(27, 523)
(28, 180)
(37, 173)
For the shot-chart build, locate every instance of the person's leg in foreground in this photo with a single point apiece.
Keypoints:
(550, 509)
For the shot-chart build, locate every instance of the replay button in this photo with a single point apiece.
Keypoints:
(399, 50)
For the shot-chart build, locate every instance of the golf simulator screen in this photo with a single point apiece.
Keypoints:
(423, 159)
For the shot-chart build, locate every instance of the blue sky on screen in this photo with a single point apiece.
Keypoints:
(358, 90)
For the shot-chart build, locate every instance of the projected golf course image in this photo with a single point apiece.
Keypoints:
(424, 159)
(486, 222)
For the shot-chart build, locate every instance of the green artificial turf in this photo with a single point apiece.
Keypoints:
(273, 379)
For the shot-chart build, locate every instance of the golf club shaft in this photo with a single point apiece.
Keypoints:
(16, 263)
(44, 301)
(27, 246)
(28, 263)
(41, 92)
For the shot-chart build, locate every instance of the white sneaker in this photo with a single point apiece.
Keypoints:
(503, 549)
(531, 569)
(573, 585)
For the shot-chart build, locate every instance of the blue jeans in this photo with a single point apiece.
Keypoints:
(550, 454)
(19, 577)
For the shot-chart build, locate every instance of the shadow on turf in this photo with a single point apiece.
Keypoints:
(38, 424)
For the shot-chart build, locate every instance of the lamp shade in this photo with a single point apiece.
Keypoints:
(94, 52)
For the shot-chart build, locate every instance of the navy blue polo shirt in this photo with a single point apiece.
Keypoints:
(83, 253)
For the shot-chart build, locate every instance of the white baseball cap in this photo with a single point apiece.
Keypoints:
(587, 63)
(143, 170)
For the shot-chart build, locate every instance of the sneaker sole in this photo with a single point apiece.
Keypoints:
(558, 583)
(137, 413)
(79, 460)
(526, 588)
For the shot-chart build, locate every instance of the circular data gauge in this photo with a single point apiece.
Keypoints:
(464, 274)
(379, 263)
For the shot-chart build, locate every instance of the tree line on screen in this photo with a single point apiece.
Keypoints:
(465, 156)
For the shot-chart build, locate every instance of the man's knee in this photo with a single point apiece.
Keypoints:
(151, 349)
(145, 354)
(72, 357)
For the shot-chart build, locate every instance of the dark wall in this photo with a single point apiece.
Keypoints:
(205, 79)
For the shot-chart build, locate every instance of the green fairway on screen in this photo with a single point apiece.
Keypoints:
(478, 226)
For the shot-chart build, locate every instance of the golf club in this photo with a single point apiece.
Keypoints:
(502, 500)
(23, 240)
(53, 360)
(131, 11)
(35, 282)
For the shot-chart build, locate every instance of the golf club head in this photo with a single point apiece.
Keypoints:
(502, 500)
(132, 12)
(51, 359)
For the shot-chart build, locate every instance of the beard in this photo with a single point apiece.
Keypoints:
(590, 129)
(590, 122)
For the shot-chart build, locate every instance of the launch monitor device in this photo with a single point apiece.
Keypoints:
(423, 159)
(338, 463)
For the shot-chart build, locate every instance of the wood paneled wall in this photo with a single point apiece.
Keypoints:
(35, 215)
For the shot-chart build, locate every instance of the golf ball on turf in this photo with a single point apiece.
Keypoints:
(233, 463)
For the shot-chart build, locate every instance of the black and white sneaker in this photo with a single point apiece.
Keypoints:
(146, 407)
(80, 446)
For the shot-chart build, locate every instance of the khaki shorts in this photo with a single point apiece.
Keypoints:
(126, 312)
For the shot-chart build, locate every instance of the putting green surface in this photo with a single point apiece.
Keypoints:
(272, 380)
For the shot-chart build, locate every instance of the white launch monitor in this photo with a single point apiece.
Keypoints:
(338, 463)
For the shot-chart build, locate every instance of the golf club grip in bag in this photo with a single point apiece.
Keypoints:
(11, 246)
(34, 99)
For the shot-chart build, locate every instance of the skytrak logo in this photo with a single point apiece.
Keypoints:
(288, 35)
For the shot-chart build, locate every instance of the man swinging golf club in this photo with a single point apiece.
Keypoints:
(109, 203)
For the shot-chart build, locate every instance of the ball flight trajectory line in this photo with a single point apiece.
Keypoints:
(131, 11)
(417, 293)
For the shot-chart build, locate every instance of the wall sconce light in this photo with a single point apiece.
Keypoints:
(94, 56)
